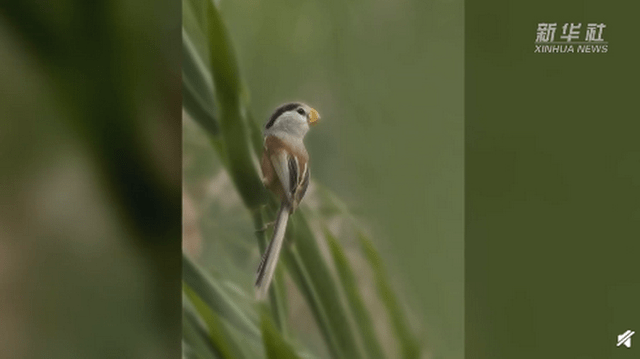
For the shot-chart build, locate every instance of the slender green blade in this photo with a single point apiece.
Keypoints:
(197, 89)
(274, 344)
(188, 352)
(409, 346)
(322, 282)
(233, 120)
(215, 298)
(219, 336)
(196, 337)
(232, 112)
(301, 277)
(354, 299)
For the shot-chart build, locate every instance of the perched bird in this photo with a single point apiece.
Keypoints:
(285, 169)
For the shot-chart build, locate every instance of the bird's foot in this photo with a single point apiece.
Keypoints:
(265, 227)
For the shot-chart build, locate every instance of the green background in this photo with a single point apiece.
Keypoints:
(90, 179)
(552, 184)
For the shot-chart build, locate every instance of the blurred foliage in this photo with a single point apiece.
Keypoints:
(90, 186)
(218, 289)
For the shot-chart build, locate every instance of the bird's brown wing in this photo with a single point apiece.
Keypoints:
(301, 189)
(285, 170)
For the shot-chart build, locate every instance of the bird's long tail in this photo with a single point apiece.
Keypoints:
(270, 258)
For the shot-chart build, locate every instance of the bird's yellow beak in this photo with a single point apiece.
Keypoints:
(314, 116)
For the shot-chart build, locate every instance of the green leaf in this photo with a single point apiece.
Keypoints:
(409, 346)
(197, 89)
(196, 337)
(321, 288)
(232, 111)
(274, 344)
(197, 94)
(212, 294)
(257, 141)
(301, 277)
(221, 339)
(354, 299)
(235, 151)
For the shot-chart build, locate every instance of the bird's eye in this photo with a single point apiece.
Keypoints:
(301, 111)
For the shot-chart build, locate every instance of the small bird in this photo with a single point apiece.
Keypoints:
(285, 169)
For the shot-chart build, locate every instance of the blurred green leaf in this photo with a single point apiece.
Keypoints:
(196, 337)
(197, 94)
(221, 339)
(214, 296)
(188, 352)
(197, 89)
(409, 347)
(354, 299)
(233, 122)
(301, 277)
(233, 147)
(194, 15)
(257, 140)
(322, 287)
(274, 344)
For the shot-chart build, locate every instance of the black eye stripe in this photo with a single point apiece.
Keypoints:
(301, 111)
(282, 109)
